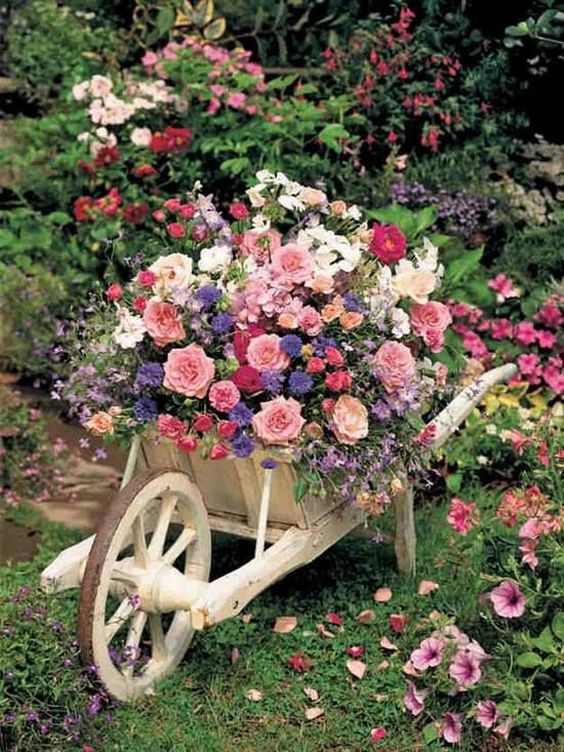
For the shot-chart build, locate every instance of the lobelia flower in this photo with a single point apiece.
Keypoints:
(507, 600)
(451, 727)
(428, 655)
(465, 668)
(487, 713)
(414, 699)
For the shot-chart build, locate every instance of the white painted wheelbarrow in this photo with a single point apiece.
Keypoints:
(144, 575)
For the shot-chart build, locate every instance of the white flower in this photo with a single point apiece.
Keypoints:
(352, 212)
(482, 460)
(172, 271)
(130, 330)
(215, 259)
(264, 176)
(400, 323)
(100, 86)
(141, 136)
(260, 223)
(292, 203)
(491, 429)
(84, 137)
(79, 91)
(255, 197)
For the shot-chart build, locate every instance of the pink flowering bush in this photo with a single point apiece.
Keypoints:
(275, 326)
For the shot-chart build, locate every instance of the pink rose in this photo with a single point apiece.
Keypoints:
(292, 264)
(388, 243)
(394, 365)
(188, 371)
(279, 421)
(350, 420)
(264, 353)
(163, 323)
(260, 244)
(429, 320)
(310, 321)
(223, 396)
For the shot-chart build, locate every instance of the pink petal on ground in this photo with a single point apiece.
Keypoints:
(383, 595)
(324, 632)
(312, 713)
(311, 693)
(366, 617)
(356, 668)
(254, 695)
(334, 618)
(285, 624)
(387, 644)
(427, 586)
(235, 655)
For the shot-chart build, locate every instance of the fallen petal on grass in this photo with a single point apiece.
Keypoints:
(299, 663)
(377, 734)
(312, 713)
(366, 617)
(311, 693)
(356, 668)
(383, 595)
(387, 644)
(235, 655)
(254, 695)
(323, 631)
(427, 586)
(410, 670)
(334, 618)
(285, 624)
(398, 622)
(246, 618)
(355, 651)
(383, 666)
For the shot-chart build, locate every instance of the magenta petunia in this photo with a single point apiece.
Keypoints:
(507, 600)
(428, 654)
(451, 728)
(414, 699)
(487, 713)
(465, 668)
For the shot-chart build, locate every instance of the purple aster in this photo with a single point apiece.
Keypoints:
(241, 414)
(381, 411)
(353, 303)
(222, 323)
(242, 445)
(145, 409)
(321, 342)
(208, 296)
(149, 375)
(291, 344)
(300, 382)
(272, 382)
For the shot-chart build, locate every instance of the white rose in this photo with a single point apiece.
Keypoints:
(172, 272)
(215, 259)
(100, 86)
(141, 136)
(79, 91)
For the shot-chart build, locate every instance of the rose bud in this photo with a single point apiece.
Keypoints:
(226, 429)
(219, 452)
(139, 304)
(114, 292)
(187, 211)
(159, 215)
(176, 230)
(203, 423)
(146, 278)
(334, 357)
(172, 204)
(313, 430)
(328, 405)
(187, 444)
(339, 381)
(315, 365)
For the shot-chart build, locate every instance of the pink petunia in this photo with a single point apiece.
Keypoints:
(462, 516)
(451, 728)
(525, 333)
(428, 654)
(487, 713)
(546, 339)
(414, 699)
(501, 329)
(465, 668)
(507, 600)
(504, 728)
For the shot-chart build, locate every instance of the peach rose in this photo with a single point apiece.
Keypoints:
(349, 420)
(350, 320)
(260, 244)
(288, 321)
(312, 196)
(394, 365)
(416, 284)
(163, 323)
(292, 264)
(322, 283)
(338, 208)
(264, 353)
(429, 321)
(188, 371)
(224, 395)
(279, 421)
(310, 321)
(330, 312)
(172, 272)
(100, 423)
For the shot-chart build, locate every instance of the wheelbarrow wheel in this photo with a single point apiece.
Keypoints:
(150, 559)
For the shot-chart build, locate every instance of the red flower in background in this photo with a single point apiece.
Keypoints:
(388, 243)
(144, 171)
(106, 156)
(135, 213)
(299, 663)
(83, 209)
(172, 141)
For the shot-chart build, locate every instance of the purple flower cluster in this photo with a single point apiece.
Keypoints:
(149, 375)
(145, 409)
(208, 296)
(292, 345)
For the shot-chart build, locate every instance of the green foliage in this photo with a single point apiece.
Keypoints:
(533, 253)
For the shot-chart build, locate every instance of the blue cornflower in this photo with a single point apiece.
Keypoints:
(321, 342)
(145, 409)
(241, 414)
(300, 382)
(222, 323)
(269, 464)
(149, 375)
(272, 382)
(291, 344)
(353, 303)
(242, 445)
(207, 296)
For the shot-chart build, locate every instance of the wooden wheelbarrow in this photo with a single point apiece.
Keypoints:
(144, 575)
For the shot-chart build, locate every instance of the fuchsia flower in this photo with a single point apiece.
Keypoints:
(501, 329)
(451, 728)
(487, 713)
(428, 655)
(414, 700)
(507, 600)
(462, 516)
(465, 668)
(546, 339)
(504, 287)
(525, 333)
(388, 243)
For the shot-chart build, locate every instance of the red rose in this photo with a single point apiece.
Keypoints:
(226, 429)
(328, 405)
(388, 243)
(238, 210)
(334, 357)
(106, 156)
(176, 230)
(203, 423)
(247, 379)
(187, 211)
(187, 444)
(139, 304)
(241, 341)
(219, 452)
(83, 209)
(146, 277)
(315, 365)
(172, 204)
(144, 171)
(171, 427)
(135, 213)
(114, 292)
(339, 381)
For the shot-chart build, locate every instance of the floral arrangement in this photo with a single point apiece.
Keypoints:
(290, 326)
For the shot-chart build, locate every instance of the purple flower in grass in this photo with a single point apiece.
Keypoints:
(465, 669)
(428, 655)
(451, 727)
(487, 713)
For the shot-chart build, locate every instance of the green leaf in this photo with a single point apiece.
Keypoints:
(424, 218)
(396, 215)
(6, 238)
(545, 642)
(462, 267)
(235, 166)
(300, 488)
(165, 20)
(454, 482)
(430, 733)
(528, 660)
(557, 625)
(282, 82)
(330, 133)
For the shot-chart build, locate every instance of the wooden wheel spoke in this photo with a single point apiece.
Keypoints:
(186, 537)
(166, 511)
(117, 619)
(133, 639)
(158, 645)
(139, 543)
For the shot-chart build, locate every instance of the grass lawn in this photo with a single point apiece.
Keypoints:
(203, 706)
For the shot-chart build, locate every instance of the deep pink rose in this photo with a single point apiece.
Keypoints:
(189, 371)
(247, 379)
(163, 323)
(388, 243)
(429, 320)
(310, 321)
(394, 365)
(292, 265)
(171, 427)
(146, 278)
(223, 396)
(114, 292)
(264, 353)
(279, 421)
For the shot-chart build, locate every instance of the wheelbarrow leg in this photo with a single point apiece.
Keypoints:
(405, 543)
